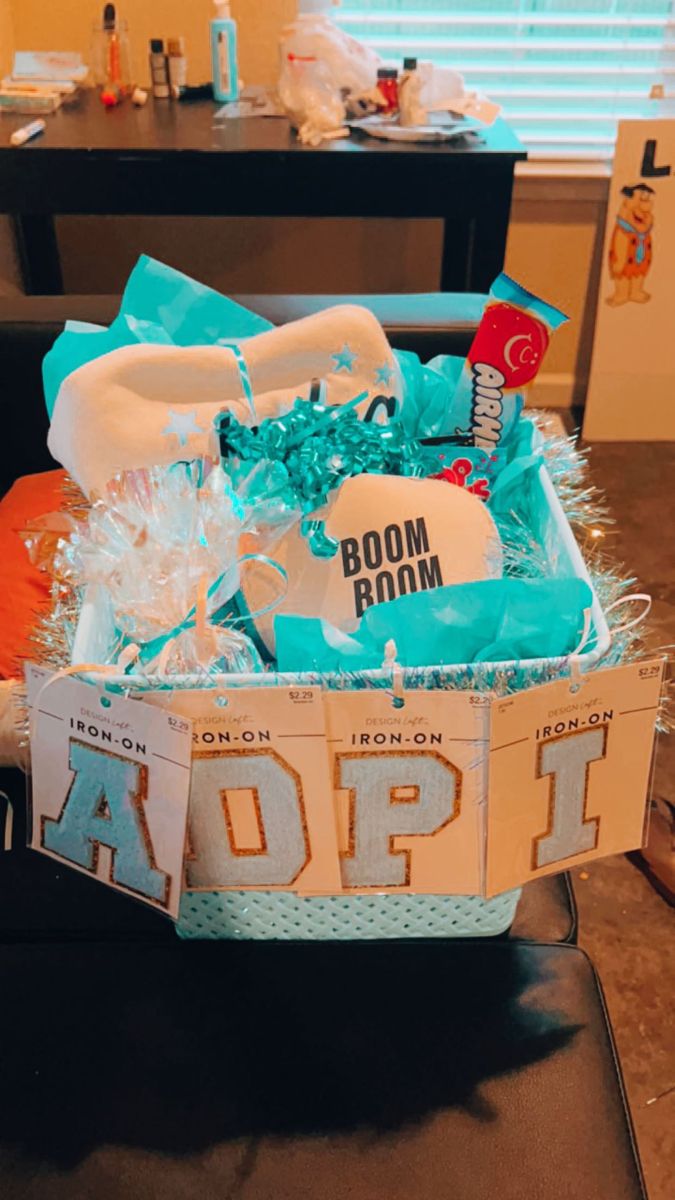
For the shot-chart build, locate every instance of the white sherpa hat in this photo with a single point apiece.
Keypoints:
(147, 405)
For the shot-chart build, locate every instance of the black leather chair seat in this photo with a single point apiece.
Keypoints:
(547, 911)
(343, 1072)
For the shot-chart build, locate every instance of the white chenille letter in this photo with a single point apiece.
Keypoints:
(567, 760)
(285, 850)
(381, 810)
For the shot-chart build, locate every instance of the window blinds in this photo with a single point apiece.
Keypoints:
(564, 71)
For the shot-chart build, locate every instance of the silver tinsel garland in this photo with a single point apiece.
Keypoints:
(585, 508)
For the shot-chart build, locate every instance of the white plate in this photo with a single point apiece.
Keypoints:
(391, 131)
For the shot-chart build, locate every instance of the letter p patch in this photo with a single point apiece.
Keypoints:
(393, 795)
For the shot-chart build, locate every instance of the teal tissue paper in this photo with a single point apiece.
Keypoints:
(495, 620)
(159, 305)
(429, 407)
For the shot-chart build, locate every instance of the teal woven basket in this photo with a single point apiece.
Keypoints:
(283, 916)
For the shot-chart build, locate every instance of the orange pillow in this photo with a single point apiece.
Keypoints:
(25, 590)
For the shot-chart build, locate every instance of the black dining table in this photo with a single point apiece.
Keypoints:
(171, 158)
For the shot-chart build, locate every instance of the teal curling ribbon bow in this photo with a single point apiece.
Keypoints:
(310, 451)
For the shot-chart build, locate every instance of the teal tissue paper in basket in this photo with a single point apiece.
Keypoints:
(163, 306)
(494, 620)
(159, 305)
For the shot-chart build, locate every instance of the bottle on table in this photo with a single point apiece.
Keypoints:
(177, 61)
(387, 86)
(110, 59)
(159, 70)
(224, 53)
(411, 110)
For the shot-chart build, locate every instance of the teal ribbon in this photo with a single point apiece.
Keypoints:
(244, 375)
(290, 464)
(320, 543)
(228, 614)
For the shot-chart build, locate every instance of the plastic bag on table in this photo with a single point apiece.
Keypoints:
(310, 98)
(312, 35)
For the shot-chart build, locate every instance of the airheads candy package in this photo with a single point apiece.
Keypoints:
(468, 467)
(505, 356)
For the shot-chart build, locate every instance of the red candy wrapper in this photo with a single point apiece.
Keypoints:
(505, 356)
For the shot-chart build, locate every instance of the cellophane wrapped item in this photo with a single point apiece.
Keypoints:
(164, 545)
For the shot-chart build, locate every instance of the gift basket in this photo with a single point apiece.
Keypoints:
(304, 515)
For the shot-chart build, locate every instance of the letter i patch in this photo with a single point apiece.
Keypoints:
(569, 772)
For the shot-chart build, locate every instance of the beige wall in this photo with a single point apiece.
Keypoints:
(555, 248)
(9, 269)
(6, 35)
(257, 254)
(67, 24)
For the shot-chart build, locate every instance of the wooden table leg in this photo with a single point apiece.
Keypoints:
(474, 246)
(38, 250)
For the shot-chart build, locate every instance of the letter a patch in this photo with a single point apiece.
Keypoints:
(110, 786)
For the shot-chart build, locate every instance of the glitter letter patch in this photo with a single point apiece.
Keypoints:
(409, 779)
(110, 785)
(569, 772)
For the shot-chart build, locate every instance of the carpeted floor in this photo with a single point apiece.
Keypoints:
(626, 927)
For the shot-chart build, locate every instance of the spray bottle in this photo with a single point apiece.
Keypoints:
(224, 53)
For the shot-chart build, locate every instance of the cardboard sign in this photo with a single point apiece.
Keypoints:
(261, 804)
(396, 535)
(111, 780)
(409, 784)
(633, 368)
(569, 772)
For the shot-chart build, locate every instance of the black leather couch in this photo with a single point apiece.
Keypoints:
(137, 1065)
